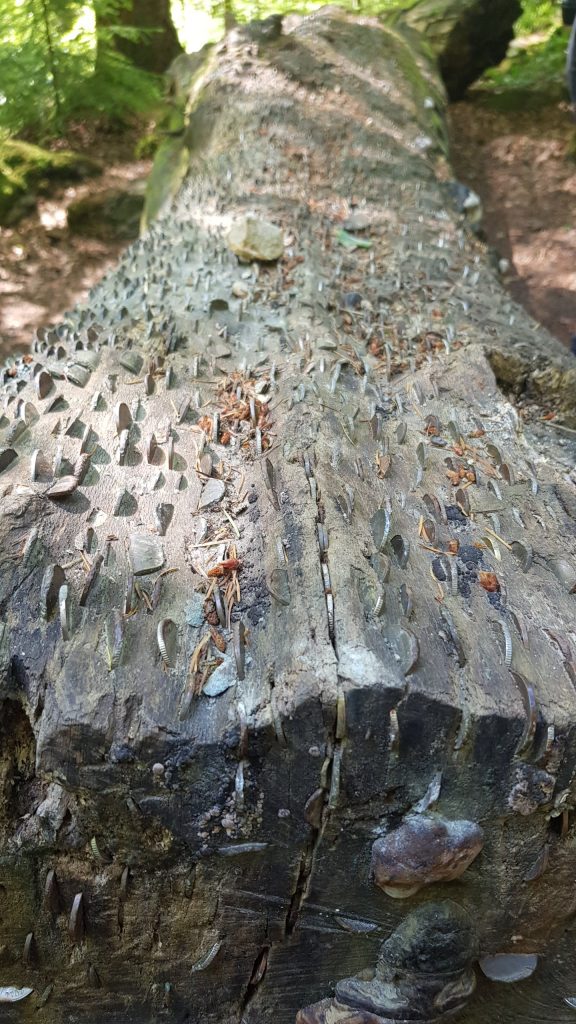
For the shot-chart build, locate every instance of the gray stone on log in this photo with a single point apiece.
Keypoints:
(252, 238)
(509, 967)
(221, 679)
(212, 493)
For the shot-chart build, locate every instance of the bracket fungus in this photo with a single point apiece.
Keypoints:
(424, 973)
(423, 850)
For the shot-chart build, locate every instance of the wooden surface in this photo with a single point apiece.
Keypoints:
(222, 844)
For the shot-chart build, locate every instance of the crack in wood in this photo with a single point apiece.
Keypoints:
(332, 767)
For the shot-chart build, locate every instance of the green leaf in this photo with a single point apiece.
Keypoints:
(351, 242)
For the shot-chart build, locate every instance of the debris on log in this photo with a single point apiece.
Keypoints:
(287, 584)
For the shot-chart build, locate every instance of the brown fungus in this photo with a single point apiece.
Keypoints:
(423, 850)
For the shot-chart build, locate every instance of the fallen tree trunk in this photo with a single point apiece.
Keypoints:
(288, 589)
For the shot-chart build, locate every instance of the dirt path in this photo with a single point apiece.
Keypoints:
(519, 162)
(44, 268)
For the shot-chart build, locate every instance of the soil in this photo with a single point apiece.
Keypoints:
(521, 160)
(44, 268)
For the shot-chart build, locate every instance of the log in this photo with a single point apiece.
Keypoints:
(287, 587)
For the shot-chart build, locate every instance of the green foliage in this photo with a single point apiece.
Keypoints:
(36, 61)
(58, 61)
(147, 145)
(537, 16)
(538, 68)
(534, 70)
(115, 88)
(54, 66)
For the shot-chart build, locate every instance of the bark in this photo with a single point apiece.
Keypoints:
(52, 62)
(467, 36)
(394, 552)
(158, 44)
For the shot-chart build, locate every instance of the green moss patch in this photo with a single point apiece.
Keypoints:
(27, 171)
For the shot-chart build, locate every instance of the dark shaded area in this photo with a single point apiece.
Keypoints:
(479, 40)
(468, 36)
(112, 215)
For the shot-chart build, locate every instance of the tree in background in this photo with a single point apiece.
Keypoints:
(141, 30)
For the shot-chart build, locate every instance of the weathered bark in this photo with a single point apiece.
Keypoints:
(467, 36)
(171, 856)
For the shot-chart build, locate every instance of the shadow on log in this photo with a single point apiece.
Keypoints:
(287, 587)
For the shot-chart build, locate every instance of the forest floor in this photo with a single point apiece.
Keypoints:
(522, 163)
(44, 268)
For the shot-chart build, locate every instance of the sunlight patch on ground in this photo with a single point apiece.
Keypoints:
(52, 215)
(525, 42)
(17, 315)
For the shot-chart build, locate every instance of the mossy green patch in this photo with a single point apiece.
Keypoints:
(27, 170)
(168, 173)
(186, 77)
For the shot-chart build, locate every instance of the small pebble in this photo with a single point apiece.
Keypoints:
(239, 290)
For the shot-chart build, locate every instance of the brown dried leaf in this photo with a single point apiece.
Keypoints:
(489, 581)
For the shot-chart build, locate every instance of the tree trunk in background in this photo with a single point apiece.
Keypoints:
(156, 50)
(468, 36)
(287, 588)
